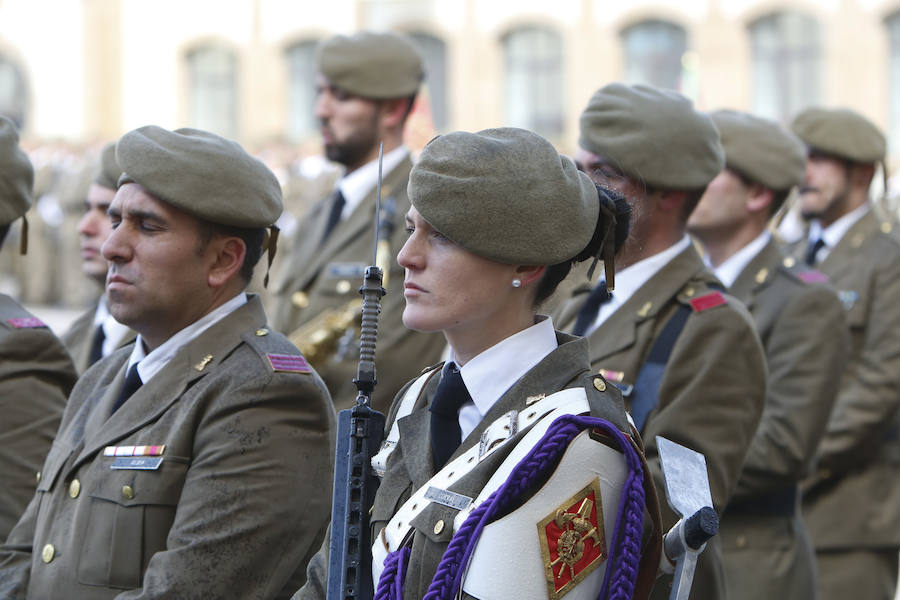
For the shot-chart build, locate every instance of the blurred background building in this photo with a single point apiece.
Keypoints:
(77, 73)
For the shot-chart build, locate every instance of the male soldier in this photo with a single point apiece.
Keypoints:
(96, 333)
(686, 355)
(852, 503)
(366, 85)
(190, 463)
(766, 549)
(36, 373)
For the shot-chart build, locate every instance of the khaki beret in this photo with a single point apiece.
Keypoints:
(505, 194)
(109, 171)
(371, 65)
(761, 150)
(652, 135)
(841, 132)
(202, 174)
(16, 175)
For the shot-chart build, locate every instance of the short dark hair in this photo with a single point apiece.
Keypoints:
(253, 239)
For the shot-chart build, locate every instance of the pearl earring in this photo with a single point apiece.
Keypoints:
(516, 283)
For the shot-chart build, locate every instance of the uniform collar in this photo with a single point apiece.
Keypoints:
(150, 364)
(357, 185)
(490, 374)
(833, 234)
(729, 270)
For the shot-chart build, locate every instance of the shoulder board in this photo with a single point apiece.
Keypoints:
(707, 301)
(288, 363)
(26, 323)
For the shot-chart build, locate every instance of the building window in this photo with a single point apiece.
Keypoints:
(653, 53)
(534, 80)
(787, 61)
(12, 93)
(893, 24)
(213, 90)
(434, 53)
(302, 93)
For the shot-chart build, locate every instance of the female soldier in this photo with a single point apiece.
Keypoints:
(487, 447)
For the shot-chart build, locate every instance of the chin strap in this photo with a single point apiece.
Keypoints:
(23, 242)
(270, 244)
(607, 251)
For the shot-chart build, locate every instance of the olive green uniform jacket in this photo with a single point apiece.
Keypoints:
(853, 500)
(79, 338)
(410, 465)
(236, 507)
(316, 278)
(765, 544)
(36, 376)
(712, 391)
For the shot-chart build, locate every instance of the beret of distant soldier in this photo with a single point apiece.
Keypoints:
(371, 65)
(652, 135)
(841, 132)
(505, 194)
(761, 150)
(109, 172)
(202, 174)
(16, 175)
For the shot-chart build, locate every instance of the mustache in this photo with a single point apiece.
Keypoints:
(807, 188)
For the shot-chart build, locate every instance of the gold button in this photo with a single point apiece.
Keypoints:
(439, 527)
(762, 275)
(300, 299)
(128, 491)
(74, 488)
(343, 286)
(790, 261)
(599, 384)
(645, 309)
(886, 227)
(741, 541)
(47, 553)
(38, 476)
(262, 332)
(688, 291)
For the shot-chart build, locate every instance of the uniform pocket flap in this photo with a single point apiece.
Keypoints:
(435, 522)
(127, 487)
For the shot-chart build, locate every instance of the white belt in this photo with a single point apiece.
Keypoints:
(570, 401)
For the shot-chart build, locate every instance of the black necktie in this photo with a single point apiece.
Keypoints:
(813, 250)
(132, 383)
(446, 435)
(334, 217)
(588, 313)
(97, 345)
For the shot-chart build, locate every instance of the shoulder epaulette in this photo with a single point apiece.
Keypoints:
(26, 323)
(811, 276)
(707, 301)
(288, 363)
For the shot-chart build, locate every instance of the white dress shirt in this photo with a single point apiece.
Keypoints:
(113, 331)
(490, 374)
(833, 234)
(149, 365)
(729, 270)
(630, 280)
(356, 186)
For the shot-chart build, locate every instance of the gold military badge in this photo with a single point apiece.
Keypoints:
(572, 540)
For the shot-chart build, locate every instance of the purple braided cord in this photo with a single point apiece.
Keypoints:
(390, 584)
(540, 459)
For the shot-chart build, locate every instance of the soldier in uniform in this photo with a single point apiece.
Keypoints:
(36, 373)
(484, 249)
(96, 333)
(765, 545)
(686, 355)
(366, 87)
(190, 463)
(852, 502)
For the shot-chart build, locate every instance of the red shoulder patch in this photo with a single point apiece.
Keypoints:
(287, 363)
(711, 300)
(812, 276)
(26, 323)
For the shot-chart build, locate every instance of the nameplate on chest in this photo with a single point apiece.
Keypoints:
(140, 463)
(447, 498)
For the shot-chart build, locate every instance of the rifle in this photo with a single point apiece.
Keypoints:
(359, 435)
